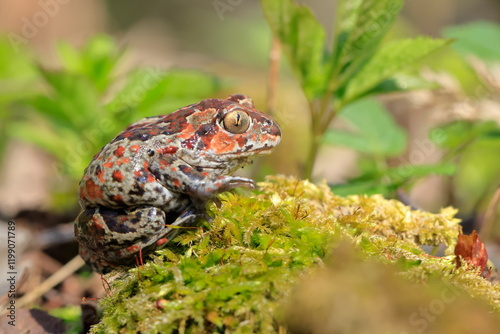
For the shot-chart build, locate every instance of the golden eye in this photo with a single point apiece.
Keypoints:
(236, 121)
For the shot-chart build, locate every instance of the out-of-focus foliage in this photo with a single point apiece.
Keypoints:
(18, 80)
(479, 39)
(355, 295)
(354, 67)
(235, 274)
(86, 102)
(373, 133)
(476, 147)
(471, 142)
(71, 316)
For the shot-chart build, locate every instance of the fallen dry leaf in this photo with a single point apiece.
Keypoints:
(471, 249)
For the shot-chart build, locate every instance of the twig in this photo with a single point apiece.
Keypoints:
(65, 271)
(489, 217)
(273, 79)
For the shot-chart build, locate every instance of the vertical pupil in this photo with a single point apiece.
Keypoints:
(238, 119)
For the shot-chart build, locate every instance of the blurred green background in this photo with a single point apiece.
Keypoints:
(230, 41)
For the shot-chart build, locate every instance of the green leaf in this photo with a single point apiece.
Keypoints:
(401, 83)
(387, 182)
(358, 187)
(405, 264)
(151, 91)
(70, 57)
(477, 177)
(459, 133)
(394, 57)
(480, 39)
(373, 131)
(401, 174)
(360, 27)
(72, 101)
(97, 61)
(302, 39)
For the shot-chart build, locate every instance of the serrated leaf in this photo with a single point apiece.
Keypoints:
(481, 39)
(388, 61)
(361, 25)
(373, 130)
(302, 38)
(401, 83)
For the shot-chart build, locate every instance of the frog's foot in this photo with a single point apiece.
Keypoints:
(231, 182)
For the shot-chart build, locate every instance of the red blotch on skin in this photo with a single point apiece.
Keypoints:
(167, 150)
(177, 183)
(470, 249)
(93, 190)
(96, 224)
(161, 241)
(108, 164)
(221, 143)
(138, 173)
(100, 176)
(146, 165)
(151, 178)
(186, 132)
(118, 176)
(118, 198)
(135, 148)
(189, 143)
(122, 161)
(119, 151)
(133, 249)
(242, 140)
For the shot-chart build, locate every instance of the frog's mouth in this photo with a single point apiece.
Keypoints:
(229, 161)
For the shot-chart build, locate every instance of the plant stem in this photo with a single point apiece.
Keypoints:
(321, 116)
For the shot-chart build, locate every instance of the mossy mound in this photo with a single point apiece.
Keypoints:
(235, 274)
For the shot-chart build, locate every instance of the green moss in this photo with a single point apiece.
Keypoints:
(234, 274)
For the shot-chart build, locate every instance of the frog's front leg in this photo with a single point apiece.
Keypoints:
(200, 185)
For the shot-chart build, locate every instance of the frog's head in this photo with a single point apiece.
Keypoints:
(225, 134)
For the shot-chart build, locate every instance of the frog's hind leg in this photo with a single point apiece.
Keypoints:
(110, 238)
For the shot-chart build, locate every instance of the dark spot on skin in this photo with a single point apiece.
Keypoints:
(190, 142)
(134, 220)
(151, 152)
(242, 140)
(113, 221)
(190, 172)
(205, 129)
(137, 190)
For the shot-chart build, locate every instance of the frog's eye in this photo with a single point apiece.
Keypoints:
(236, 121)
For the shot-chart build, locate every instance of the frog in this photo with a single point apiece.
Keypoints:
(157, 176)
